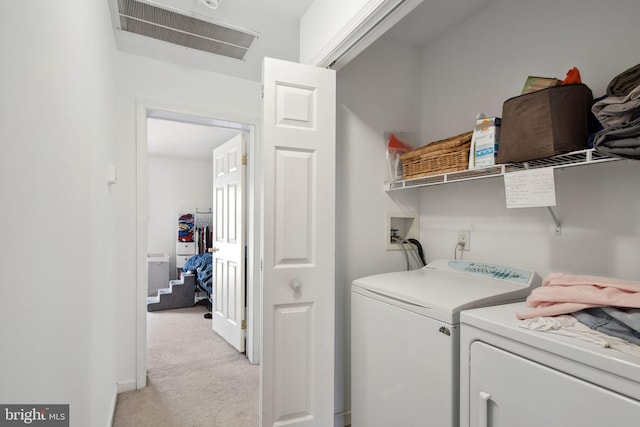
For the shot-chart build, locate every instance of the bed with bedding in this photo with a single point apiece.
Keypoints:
(201, 266)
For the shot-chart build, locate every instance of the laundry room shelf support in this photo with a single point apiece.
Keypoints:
(558, 229)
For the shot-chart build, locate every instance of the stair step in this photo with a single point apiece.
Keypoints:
(179, 294)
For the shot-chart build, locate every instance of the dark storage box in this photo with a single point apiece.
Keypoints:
(545, 123)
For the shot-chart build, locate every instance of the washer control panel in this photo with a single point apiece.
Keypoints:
(493, 271)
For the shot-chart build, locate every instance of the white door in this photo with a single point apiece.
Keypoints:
(297, 382)
(228, 313)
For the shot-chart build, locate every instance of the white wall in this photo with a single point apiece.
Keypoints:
(482, 62)
(474, 67)
(57, 297)
(599, 206)
(142, 80)
(378, 91)
(175, 186)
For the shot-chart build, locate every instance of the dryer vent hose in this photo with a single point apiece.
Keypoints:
(417, 244)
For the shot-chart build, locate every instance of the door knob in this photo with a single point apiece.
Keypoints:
(214, 249)
(295, 285)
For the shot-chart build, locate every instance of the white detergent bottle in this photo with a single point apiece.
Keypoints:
(472, 147)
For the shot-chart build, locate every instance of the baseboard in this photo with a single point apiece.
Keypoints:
(342, 419)
(126, 385)
(114, 402)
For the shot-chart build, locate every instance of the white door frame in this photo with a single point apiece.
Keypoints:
(144, 110)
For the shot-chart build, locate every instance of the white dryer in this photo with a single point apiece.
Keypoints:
(512, 376)
(405, 338)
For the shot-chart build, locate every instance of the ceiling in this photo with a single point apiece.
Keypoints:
(277, 23)
(431, 19)
(187, 141)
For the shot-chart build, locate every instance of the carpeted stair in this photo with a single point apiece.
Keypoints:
(179, 294)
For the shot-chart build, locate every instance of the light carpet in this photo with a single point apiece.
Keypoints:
(195, 378)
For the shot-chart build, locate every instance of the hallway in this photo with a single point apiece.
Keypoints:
(194, 377)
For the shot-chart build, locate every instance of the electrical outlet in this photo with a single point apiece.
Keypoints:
(463, 237)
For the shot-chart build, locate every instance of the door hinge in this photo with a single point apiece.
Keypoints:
(245, 160)
(244, 324)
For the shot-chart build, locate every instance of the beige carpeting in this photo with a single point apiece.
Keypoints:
(194, 377)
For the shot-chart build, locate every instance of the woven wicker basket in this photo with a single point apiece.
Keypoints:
(447, 155)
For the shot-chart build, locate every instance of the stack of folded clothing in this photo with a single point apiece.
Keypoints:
(185, 228)
(596, 305)
(619, 115)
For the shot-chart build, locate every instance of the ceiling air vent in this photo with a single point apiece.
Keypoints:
(161, 24)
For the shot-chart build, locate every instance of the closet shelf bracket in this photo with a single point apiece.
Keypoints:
(558, 229)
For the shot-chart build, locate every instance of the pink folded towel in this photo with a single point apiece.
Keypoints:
(562, 293)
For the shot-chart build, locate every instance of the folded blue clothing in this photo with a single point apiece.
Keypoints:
(197, 261)
(616, 322)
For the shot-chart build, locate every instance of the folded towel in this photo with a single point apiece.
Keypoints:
(565, 293)
(623, 83)
(618, 110)
(619, 141)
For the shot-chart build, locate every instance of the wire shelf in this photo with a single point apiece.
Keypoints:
(575, 158)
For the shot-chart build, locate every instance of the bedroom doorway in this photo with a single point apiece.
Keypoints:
(225, 126)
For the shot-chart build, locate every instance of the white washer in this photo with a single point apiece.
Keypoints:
(512, 376)
(405, 338)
